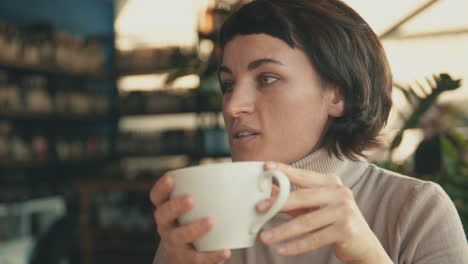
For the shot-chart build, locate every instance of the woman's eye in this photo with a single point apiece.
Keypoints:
(268, 79)
(226, 86)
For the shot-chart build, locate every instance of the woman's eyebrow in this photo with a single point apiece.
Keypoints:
(252, 66)
(257, 63)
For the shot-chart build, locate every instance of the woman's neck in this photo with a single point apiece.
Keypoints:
(322, 162)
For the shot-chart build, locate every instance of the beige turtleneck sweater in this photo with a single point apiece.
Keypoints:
(415, 221)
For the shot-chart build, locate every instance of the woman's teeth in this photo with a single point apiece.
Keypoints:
(244, 134)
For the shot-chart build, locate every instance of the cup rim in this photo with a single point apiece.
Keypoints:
(214, 165)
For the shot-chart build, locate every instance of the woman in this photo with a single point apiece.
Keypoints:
(307, 83)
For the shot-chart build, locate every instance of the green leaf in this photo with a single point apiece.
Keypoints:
(397, 140)
(449, 156)
(410, 96)
(446, 82)
(443, 82)
(222, 11)
(177, 73)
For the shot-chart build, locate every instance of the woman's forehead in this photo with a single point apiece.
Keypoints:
(243, 49)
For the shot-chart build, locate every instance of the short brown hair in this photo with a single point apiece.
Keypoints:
(344, 50)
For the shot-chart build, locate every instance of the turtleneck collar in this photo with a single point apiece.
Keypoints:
(320, 161)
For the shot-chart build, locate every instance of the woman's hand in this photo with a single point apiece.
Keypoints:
(177, 240)
(326, 213)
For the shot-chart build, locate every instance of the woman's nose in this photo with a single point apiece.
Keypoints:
(240, 101)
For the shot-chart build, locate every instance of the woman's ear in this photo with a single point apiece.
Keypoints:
(336, 103)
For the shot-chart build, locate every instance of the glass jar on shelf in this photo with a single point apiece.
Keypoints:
(20, 150)
(3, 90)
(77, 143)
(3, 39)
(61, 98)
(46, 47)
(13, 43)
(37, 97)
(62, 50)
(5, 128)
(40, 145)
(30, 50)
(63, 148)
(13, 96)
(79, 103)
(94, 56)
(78, 58)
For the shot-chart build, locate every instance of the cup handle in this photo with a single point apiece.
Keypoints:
(284, 186)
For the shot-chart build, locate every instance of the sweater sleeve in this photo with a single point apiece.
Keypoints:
(430, 229)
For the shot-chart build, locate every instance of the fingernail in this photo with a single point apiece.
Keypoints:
(226, 253)
(208, 222)
(282, 250)
(270, 165)
(169, 180)
(267, 236)
(264, 205)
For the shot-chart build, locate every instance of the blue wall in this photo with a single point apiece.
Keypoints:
(81, 17)
(85, 18)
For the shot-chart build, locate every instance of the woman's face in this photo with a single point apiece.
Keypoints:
(275, 105)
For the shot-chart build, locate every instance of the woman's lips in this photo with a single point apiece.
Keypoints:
(241, 141)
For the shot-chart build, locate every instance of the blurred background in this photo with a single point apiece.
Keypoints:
(98, 98)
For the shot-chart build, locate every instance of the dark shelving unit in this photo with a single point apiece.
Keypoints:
(55, 117)
(36, 164)
(144, 71)
(52, 70)
(63, 23)
(142, 114)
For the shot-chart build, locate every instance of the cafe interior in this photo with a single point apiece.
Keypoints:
(99, 98)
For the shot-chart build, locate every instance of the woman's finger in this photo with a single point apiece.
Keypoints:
(315, 197)
(310, 198)
(186, 234)
(303, 178)
(212, 257)
(168, 212)
(315, 240)
(302, 224)
(161, 189)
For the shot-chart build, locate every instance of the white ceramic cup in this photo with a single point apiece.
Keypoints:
(229, 192)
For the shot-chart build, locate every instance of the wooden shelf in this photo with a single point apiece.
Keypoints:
(144, 71)
(52, 70)
(148, 155)
(33, 164)
(42, 116)
(21, 163)
(189, 111)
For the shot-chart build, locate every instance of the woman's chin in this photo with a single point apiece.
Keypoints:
(248, 157)
(244, 157)
(236, 159)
